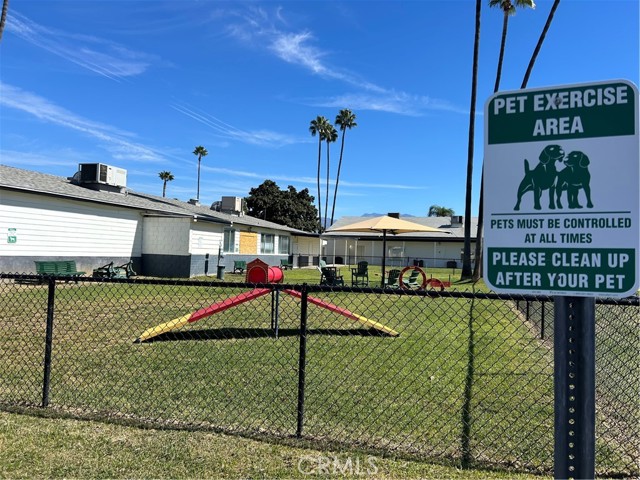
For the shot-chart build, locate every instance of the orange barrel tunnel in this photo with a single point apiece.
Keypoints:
(260, 272)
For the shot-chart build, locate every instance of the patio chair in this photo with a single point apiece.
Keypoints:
(392, 280)
(124, 271)
(360, 274)
(107, 271)
(412, 281)
(331, 276)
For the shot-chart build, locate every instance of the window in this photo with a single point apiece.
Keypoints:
(283, 245)
(229, 245)
(266, 243)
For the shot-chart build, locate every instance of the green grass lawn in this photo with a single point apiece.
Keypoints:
(363, 391)
(33, 447)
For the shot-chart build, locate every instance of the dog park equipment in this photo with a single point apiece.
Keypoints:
(386, 224)
(259, 272)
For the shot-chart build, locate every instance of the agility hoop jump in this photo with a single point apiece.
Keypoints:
(258, 272)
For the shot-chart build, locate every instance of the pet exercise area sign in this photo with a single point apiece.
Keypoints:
(561, 194)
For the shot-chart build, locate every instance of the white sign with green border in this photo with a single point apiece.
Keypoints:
(561, 190)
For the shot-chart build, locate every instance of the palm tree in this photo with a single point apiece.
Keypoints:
(466, 256)
(345, 119)
(317, 127)
(508, 8)
(330, 135)
(165, 177)
(440, 211)
(525, 80)
(200, 151)
(3, 18)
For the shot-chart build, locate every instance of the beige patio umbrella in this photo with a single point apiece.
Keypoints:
(385, 224)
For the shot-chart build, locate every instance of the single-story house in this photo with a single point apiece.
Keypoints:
(94, 219)
(438, 249)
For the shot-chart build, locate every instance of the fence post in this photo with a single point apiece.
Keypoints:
(302, 361)
(48, 342)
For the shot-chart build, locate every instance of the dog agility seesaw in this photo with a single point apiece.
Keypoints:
(258, 272)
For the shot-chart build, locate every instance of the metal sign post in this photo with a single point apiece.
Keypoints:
(574, 387)
(562, 203)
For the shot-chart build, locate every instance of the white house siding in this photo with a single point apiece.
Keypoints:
(205, 242)
(47, 227)
(166, 235)
(205, 238)
(305, 250)
(165, 246)
(431, 253)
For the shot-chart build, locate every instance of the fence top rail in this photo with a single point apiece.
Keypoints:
(630, 301)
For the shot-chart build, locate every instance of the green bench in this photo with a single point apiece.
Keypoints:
(285, 264)
(239, 266)
(59, 268)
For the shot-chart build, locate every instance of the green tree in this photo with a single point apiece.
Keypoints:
(440, 211)
(330, 135)
(346, 120)
(317, 127)
(466, 255)
(200, 152)
(165, 177)
(284, 207)
(508, 8)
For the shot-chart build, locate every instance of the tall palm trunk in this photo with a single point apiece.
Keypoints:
(466, 257)
(3, 18)
(534, 57)
(477, 268)
(198, 191)
(164, 188)
(318, 181)
(335, 191)
(326, 200)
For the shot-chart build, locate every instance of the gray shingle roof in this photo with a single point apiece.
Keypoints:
(42, 183)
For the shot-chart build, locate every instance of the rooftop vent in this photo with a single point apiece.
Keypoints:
(99, 176)
(232, 205)
(457, 220)
(194, 201)
(394, 214)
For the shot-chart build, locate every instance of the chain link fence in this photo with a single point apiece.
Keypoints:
(444, 376)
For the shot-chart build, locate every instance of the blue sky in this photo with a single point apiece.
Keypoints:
(138, 84)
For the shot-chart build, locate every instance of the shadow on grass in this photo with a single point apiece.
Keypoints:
(244, 333)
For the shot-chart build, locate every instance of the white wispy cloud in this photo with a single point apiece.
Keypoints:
(305, 179)
(116, 141)
(257, 27)
(35, 159)
(393, 102)
(267, 138)
(100, 56)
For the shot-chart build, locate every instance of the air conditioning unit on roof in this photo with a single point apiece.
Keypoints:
(231, 205)
(103, 174)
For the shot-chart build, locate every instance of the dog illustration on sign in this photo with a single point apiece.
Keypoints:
(573, 178)
(542, 177)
